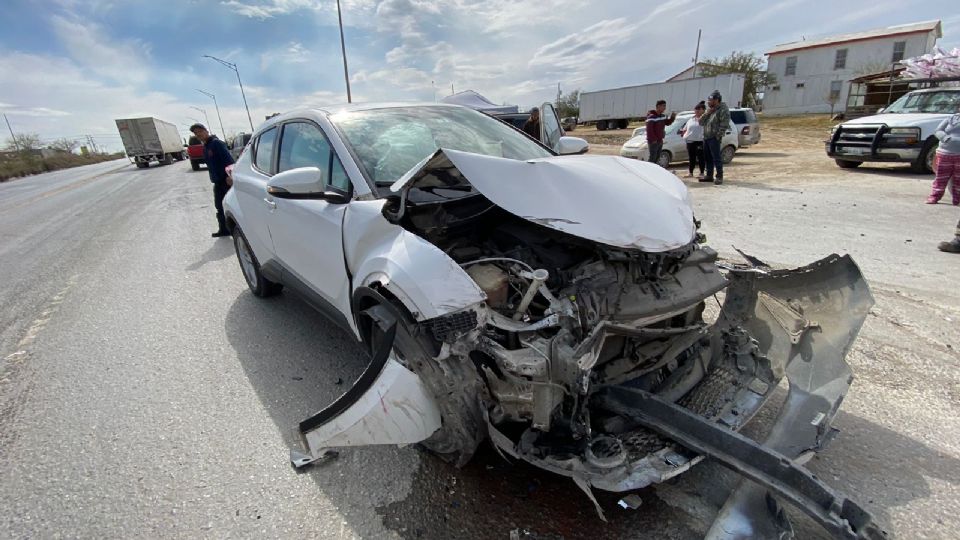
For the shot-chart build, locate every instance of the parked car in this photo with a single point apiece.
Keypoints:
(552, 304)
(674, 147)
(903, 132)
(150, 139)
(748, 127)
(569, 123)
(238, 143)
(195, 152)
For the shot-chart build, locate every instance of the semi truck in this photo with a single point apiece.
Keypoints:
(614, 108)
(150, 139)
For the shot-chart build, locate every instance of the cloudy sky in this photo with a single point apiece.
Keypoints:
(69, 67)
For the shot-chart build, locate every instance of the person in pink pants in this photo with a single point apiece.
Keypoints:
(948, 161)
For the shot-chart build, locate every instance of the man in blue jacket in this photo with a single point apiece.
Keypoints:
(217, 156)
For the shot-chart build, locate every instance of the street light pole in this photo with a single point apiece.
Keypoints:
(204, 111)
(223, 132)
(233, 66)
(343, 50)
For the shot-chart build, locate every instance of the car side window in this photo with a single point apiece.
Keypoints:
(263, 156)
(303, 144)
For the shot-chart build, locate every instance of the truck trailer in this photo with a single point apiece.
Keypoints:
(150, 139)
(614, 108)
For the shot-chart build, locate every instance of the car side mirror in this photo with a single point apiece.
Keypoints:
(305, 183)
(572, 145)
(880, 110)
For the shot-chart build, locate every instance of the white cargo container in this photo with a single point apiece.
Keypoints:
(150, 139)
(614, 108)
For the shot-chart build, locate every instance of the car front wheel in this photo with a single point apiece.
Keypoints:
(259, 285)
(847, 164)
(664, 159)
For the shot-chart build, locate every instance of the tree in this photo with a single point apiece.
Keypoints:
(569, 104)
(64, 145)
(753, 67)
(24, 142)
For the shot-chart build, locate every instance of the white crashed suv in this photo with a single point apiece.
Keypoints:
(552, 304)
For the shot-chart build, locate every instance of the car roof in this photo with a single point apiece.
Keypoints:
(329, 110)
(936, 89)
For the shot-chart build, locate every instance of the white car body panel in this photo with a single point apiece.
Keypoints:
(424, 278)
(632, 204)
(397, 409)
(245, 201)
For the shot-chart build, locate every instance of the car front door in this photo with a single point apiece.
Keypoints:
(307, 233)
(550, 130)
(250, 185)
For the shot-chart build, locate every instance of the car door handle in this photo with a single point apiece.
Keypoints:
(271, 204)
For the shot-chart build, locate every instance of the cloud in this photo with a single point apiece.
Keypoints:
(124, 61)
(273, 8)
(577, 51)
(13, 110)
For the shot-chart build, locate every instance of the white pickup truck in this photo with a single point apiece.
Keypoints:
(903, 132)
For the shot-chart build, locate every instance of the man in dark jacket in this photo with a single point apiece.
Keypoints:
(657, 123)
(715, 123)
(532, 126)
(217, 156)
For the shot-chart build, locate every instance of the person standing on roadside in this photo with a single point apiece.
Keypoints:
(693, 136)
(532, 126)
(715, 122)
(948, 161)
(657, 124)
(217, 156)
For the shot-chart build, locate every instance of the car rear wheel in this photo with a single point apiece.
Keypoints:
(601, 125)
(622, 124)
(259, 285)
(726, 155)
(665, 158)
(195, 164)
(847, 164)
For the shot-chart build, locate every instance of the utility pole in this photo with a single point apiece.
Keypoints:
(451, 89)
(343, 50)
(12, 136)
(434, 87)
(233, 66)
(558, 95)
(696, 55)
(223, 132)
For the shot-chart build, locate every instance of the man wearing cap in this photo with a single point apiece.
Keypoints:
(715, 123)
(532, 126)
(217, 157)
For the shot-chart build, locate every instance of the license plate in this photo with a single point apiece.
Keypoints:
(855, 151)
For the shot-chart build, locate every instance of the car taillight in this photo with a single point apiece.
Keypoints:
(745, 130)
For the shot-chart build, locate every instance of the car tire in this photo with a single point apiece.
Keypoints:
(847, 164)
(665, 158)
(601, 125)
(463, 427)
(167, 159)
(726, 155)
(142, 164)
(195, 165)
(924, 162)
(622, 124)
(250, 267)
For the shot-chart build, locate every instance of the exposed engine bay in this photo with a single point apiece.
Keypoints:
(588, 355)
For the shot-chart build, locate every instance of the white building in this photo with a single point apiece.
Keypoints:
(812, 73)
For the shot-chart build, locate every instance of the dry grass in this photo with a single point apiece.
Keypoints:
(27, 165)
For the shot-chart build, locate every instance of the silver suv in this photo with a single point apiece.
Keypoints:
(748, 127)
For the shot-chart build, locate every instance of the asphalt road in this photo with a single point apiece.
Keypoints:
(144, 391)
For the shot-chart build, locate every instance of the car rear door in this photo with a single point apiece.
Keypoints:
(250, 184)
(307, 233)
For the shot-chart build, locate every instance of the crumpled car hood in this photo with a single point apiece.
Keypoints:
(608, 199)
